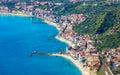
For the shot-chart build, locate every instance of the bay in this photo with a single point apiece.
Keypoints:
(19, 36)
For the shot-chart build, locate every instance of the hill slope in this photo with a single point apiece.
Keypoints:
(106, 24)
(109, 31)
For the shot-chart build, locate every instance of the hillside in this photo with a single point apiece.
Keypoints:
(79, 7)
(109, 31)
(41, 0)
(105, 24)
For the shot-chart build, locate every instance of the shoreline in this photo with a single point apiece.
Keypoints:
(52, 24)
(69, 43)
(13, 14)
(57, 37)
(64, 40)
(46, 21)
(84, 71)
(75, 62)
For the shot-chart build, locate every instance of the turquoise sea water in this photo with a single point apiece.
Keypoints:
(20, 36)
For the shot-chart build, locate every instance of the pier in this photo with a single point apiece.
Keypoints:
(44, 53)
(85, 71)
(39, 53)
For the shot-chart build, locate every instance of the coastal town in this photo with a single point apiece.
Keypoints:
(81, 49)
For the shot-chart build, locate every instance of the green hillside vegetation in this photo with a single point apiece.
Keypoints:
(118, 69)
(88, 8)
(109, 39)
(105, 24)
(72, 8)
(95, 17)
(42, 0)
(66, 9)
(44, 6)
(64, 1)
(112, 18)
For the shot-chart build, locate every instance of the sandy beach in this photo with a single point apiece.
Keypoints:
(52, 24)
(85, 71)
(64, 40)
(57, 37)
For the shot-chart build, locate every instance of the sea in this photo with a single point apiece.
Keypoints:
(19, 36)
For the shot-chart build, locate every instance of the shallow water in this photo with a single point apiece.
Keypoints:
(20, 36)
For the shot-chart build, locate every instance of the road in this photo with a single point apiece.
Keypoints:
(106, 69)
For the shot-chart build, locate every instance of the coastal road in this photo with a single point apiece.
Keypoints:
(106, 69)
